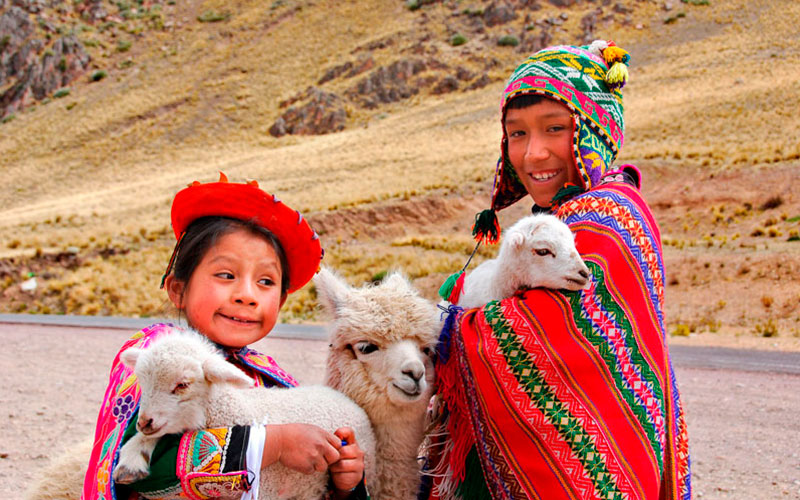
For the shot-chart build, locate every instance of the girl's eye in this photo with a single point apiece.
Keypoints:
(266, 282)
(557, 128)
(543, 252)
(365, 347)
(180, 387)
(225, 275)
(516, 133)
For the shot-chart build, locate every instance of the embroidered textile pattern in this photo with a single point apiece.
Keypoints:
(202, 456)
(571, 395)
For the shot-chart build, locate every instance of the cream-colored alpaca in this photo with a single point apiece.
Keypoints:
(382, 338)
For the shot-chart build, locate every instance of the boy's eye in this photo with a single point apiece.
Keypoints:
(225, 275)
(516, 133)
(266, 282)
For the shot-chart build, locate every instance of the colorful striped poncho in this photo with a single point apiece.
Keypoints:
(569, 395)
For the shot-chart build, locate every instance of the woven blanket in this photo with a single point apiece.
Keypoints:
(570, 395)
(122, 400)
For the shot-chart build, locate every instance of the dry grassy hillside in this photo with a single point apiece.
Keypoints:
(88, 178)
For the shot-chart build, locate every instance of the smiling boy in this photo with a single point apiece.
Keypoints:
(566, 394)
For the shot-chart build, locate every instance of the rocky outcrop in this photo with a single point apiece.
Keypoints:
(322, 113)
(497, 13)
(34, 69)
(388, 83)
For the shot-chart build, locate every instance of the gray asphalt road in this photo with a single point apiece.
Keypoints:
(718, 358)
(741, 406)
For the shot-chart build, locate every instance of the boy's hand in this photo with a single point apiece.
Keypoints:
(348, 471)
(305, 448)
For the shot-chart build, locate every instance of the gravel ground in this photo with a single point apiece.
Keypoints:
(743, 426)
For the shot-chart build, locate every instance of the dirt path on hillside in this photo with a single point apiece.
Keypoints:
(742, 425)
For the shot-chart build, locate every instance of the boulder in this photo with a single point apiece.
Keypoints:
(388, 83)
(497, 13)
(322, 113)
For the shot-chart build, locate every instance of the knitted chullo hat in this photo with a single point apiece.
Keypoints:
(587, 80)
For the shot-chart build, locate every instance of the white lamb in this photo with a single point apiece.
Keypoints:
(187, 384)
(382, 338)
(537, 251)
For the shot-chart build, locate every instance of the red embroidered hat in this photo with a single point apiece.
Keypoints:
(248, 202)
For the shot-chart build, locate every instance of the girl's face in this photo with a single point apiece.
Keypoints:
(540, 148)
(234, 294)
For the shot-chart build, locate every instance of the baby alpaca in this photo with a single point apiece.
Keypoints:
(382, 339)
(537, 251)
(187, 384)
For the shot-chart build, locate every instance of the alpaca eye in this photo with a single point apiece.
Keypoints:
(180, 387)
(543, 252)
(427, 351)
(366, 347)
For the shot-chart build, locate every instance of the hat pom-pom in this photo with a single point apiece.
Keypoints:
(486, 228)
(617, 60)
(617, 76)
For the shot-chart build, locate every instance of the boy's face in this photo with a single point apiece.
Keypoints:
(234, 294)
(540, 148)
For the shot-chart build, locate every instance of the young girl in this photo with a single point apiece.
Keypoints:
(556, 394)
(239, 253)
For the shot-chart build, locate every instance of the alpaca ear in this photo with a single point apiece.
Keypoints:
(130, 356)
(333, 291)
(396, 280)
(217, 369)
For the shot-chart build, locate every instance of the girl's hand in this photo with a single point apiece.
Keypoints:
(348, 471)
(305, 448)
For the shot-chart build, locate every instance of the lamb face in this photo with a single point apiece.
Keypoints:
(540, 252)
(175, 375)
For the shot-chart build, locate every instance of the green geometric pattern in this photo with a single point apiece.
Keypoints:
(594, 337)
(546, 401)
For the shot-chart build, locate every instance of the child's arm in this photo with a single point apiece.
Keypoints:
(303, 447)
(308, 448)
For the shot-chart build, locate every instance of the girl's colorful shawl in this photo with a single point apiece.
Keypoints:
(570, 395)
(122, 400)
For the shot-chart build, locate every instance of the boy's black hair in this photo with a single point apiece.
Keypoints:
(204, 232)
(525, 100)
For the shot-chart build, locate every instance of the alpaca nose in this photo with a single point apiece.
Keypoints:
(584, 274)
(414, 373)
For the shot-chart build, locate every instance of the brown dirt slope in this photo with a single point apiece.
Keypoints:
(710, 119)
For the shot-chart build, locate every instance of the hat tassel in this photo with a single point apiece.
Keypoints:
(486, 228)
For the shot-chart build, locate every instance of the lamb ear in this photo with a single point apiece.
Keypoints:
(217, 369)
(516, 240)
(333, 291)
(130, 356)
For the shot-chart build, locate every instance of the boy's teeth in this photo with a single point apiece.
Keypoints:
(543, 177)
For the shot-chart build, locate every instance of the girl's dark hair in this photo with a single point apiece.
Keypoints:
(204, 232)
(525, 100)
